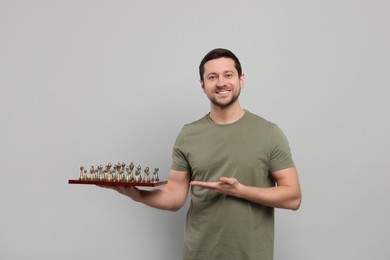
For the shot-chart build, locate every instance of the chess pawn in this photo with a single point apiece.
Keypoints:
(83, 174)
(155, 177)
(92, 173)
(101, 175)
(138, 177)
(146, 175)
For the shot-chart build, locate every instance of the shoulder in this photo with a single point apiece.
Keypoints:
(261, 126)
(199, 123)
(195, 126)
(257, 120)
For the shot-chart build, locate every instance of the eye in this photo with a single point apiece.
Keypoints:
(228, 75)
(212, 77)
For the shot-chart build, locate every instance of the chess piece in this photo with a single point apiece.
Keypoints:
(119, 172)
(129, 173)
(146, 175)
(110, 174)
(132, 168)
(155, 177)
(83, 174)
(108, 166)
(138, 177)
(92, 173)
(101, 175)
(123, 168)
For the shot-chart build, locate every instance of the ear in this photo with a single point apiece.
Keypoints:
(242, 79)
(202, 84)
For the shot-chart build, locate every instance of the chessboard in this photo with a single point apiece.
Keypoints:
(119, 174)
(119, 183)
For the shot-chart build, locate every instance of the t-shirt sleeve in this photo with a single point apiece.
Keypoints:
(281, 157)
(179, 160)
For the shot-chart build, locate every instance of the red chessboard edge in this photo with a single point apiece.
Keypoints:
(117, 183)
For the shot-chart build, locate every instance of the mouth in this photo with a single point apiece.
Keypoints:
(222, 92)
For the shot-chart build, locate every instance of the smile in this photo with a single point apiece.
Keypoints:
(223, 92)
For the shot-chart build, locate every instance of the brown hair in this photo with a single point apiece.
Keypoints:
(216, 54)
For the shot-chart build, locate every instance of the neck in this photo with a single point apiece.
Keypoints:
(226, 115)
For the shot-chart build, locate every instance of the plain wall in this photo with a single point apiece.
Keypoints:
(92, 82)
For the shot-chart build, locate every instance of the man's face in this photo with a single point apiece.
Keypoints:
(221, 82)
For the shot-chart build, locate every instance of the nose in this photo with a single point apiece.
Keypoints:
(221, 81)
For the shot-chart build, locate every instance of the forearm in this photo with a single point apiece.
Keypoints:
(170, 197)
(277, 197)
(162, 198)
(287, 193)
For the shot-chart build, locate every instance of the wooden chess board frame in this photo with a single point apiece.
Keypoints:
(118, 183)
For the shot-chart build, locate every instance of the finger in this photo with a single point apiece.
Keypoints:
(233, 182)
(226, 180)
(198, 183)
(205, 184)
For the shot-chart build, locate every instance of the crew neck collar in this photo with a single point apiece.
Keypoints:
(235, 122)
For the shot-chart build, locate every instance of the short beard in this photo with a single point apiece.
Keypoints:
(223, 106)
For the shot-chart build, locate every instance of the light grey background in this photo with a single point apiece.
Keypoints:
(91, 82)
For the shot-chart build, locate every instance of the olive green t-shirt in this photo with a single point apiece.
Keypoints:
(220, 226)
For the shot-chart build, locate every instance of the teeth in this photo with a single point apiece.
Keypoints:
(223, 92)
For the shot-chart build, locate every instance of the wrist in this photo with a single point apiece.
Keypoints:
(240, 191)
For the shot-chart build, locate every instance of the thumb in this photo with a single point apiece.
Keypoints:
(231, 181)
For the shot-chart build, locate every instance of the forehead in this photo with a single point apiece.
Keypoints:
(219, 65)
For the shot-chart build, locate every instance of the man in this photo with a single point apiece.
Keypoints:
(238, 167)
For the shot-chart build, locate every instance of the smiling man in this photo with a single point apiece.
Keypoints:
(222, 83)
(238, 167)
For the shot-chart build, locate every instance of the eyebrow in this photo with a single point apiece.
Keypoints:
(224, 72)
